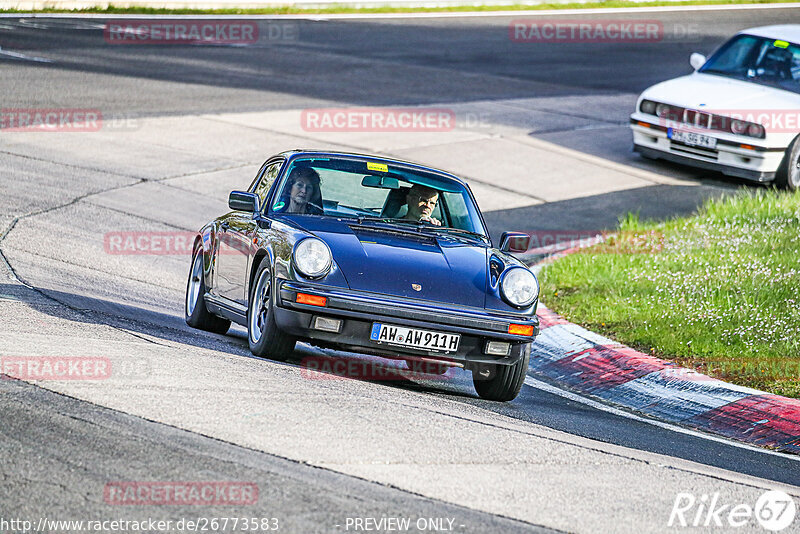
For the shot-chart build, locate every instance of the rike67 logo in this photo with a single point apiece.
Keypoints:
(773, 511)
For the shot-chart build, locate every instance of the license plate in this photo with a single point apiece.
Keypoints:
(692, 139)
(414, 337)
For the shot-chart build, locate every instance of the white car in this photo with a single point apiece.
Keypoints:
(738, 113)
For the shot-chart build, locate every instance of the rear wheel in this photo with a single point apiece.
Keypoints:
(788, 175)
(195, 311)
(265, 338)
(503, 382)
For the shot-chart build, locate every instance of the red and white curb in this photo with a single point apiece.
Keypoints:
(595, 366)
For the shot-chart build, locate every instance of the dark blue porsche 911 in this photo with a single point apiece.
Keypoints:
(371, 255)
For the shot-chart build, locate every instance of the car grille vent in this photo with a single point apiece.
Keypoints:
(678, 117)
(708, 153)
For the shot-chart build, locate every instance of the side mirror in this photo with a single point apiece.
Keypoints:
(697, 60)
(243, 201)
(514, 242)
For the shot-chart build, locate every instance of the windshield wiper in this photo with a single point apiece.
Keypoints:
(421, 225)
(394, 220)
(373, 218)
(460, 231)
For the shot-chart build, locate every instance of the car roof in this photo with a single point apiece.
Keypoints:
(787, 32)
(383, 159)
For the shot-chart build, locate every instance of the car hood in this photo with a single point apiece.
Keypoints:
(717, 93)
(374, 258)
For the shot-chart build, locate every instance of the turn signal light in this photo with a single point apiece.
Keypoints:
(313, 300)
(646, 125)
(520, 329)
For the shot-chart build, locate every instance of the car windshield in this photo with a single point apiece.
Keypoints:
(759, 60)
(377, 193)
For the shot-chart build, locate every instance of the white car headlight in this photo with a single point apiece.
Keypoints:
(519, 287)
(312, 257)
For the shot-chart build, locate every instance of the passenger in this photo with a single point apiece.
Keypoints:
(301, 193)
(421, 202)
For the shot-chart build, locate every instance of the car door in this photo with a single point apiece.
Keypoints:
(234, 243)
(236, 235)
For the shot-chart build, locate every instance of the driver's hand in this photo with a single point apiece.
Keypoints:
(433, 220)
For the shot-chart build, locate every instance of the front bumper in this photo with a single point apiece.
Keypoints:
(358, 310)
(757, 162)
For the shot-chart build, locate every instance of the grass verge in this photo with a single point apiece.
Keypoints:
(345, 8)
(719, 292)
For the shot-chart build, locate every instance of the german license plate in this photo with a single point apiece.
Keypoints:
(414, 338)
(692, 138)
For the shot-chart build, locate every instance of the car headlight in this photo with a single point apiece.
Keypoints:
(663, 110)
(756, 130)
(648, 106)
(312, 257)
(751, 129)
(519, 287)
(738, 127)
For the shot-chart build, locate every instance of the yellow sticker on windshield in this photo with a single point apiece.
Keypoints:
(380, 167)
(781, 44)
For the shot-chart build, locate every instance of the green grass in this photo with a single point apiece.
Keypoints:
(718, 292)
(345, 8)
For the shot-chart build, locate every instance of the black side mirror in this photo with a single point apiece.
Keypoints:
(514, 242)
(243, 201)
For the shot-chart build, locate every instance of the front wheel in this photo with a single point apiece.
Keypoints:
(195, 312)
(503, 382)
(788, 176)
(264, 337)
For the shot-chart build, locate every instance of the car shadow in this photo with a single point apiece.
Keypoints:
(137, 320)
(328, 364)
(315, 364)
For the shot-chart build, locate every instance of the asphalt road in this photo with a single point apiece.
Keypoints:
(63, 445)
(354, 62)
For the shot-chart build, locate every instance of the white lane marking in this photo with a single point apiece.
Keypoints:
(17, 55)
(538, 384)
(443, 15)
(33, 23)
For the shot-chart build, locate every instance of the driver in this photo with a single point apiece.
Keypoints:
(421, 202)
(301, 193)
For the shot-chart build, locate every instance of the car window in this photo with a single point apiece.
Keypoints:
(457, 211)
(759, 60)
(358, 188)
(343, 191)
(266, 181)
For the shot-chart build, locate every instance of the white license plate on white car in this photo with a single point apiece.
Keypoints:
(414, 337)
(692, 139)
